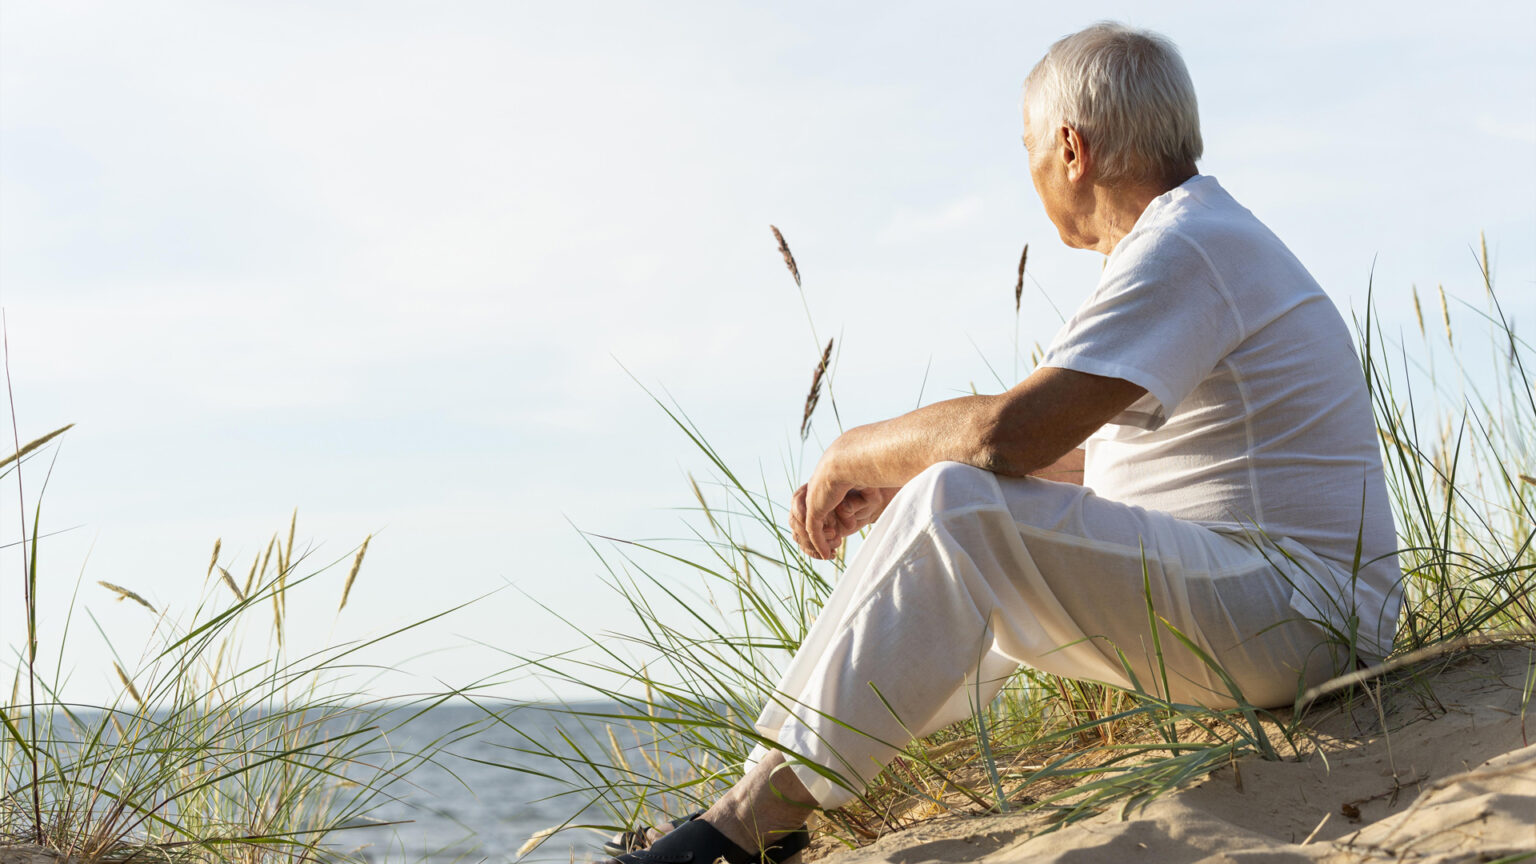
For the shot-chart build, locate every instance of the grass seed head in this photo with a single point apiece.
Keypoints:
(213, 561)
(357, 564)
(277, 616)
(618, 751)
(266, 558)
(128, 684)
(1482, 242)
(534, 841)
(33, 445)
(1018, 288)
(704, 505)
(1445, 314)
(815, 395)
(124, 594)
(789, 259)
(230, 581)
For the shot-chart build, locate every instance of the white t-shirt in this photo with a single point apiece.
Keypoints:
(1256, 413)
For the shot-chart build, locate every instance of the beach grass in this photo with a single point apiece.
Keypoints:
(222, 744)
(716, 616)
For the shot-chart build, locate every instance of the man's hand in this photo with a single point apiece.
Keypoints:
(819, 533)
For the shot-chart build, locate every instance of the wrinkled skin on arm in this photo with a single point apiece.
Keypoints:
(1034, 428)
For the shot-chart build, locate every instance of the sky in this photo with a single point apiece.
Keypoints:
(418, 270)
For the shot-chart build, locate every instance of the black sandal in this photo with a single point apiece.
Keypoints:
(633, 841)
(698, 842)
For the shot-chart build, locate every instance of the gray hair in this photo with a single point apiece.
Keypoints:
(1127, 93)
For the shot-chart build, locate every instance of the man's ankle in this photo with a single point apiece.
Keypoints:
(764, 806)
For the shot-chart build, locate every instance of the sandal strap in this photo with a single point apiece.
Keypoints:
(699, 842)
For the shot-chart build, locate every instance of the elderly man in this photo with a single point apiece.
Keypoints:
(1228, 475)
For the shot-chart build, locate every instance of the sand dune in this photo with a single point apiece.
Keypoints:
(1441, 769)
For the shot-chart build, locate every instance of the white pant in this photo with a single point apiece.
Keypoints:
(967, 574)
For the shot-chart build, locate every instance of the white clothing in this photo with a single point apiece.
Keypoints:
(968, 574)
(1256, 411)
(1232, 495)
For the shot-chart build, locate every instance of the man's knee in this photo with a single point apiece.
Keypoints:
(947, 486)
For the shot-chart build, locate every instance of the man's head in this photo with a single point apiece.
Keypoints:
(1127, 94)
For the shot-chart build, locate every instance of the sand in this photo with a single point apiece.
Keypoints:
(1444, 770)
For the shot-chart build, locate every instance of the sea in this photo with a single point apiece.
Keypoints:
(484, 797)
(480, 798)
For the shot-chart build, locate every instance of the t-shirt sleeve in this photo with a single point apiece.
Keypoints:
(1160, 318)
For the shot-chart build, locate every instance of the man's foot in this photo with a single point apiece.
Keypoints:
(633, 841)
(697, 842)
(763, 809)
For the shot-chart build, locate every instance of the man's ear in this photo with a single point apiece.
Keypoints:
(1074, 153)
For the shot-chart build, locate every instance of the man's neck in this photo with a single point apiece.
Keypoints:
(1115, 209)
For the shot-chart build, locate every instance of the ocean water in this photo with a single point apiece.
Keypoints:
(470, 805)
(472, 802)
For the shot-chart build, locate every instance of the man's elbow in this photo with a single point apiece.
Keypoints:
(1002, 448)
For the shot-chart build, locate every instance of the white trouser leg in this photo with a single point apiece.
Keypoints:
(967, 575)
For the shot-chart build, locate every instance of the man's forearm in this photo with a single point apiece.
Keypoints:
(1017, 433)
(1067, 469)
(892, 452)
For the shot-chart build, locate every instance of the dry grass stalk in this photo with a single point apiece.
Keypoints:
(277, 590)
(534, 841)
(286, 560)
(33, 445)
(267, 558)
(124, 594)
(357, 564)
(789, 260)
(132, 690)
(708, 514)
(280, 596)
(1445, 313)
(815, 395)
(277, 616)
(214, 560)
(1018, 288)
(618, 752)
(1418, 312)
(230, 581)
(1482, 242)
(1526, 478)
(250, 578)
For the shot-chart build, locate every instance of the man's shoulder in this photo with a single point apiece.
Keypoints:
(1201, 218)
(1200, 212)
